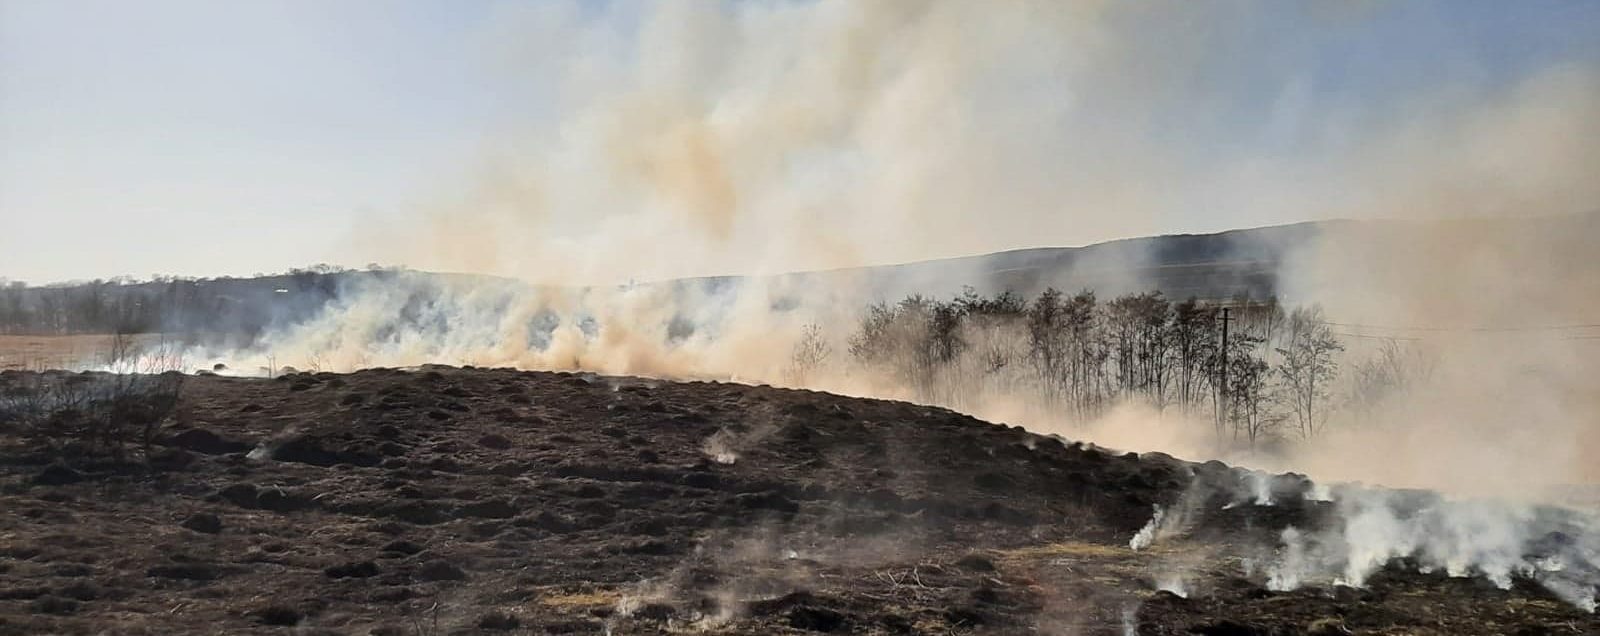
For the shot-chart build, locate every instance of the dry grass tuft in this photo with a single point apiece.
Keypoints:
(567, 599)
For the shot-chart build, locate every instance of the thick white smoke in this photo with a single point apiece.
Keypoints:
(1498, 540)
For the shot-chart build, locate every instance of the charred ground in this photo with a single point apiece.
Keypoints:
(447, 500)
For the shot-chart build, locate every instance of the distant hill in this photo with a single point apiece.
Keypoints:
(1221, 265)
(1216, 265)
(1207, 266)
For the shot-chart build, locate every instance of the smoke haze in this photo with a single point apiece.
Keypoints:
(759, 138)
(704, 190)
(695, 190)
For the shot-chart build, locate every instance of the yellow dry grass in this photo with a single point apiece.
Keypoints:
(50, 352)
(37, 353)
(563, 599)
(1071, 549)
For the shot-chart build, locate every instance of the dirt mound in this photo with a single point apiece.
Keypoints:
(446, 500)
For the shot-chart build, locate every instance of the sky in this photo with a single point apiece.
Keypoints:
(202, 138)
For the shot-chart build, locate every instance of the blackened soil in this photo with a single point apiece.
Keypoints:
(443, 501)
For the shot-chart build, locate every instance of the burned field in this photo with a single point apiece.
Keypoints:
(443, 500)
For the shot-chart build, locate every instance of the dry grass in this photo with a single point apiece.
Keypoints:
(51, 352)
(37, 353)
(1069, 549)
(558, 598)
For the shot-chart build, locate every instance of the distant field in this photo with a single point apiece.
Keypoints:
(59, 352)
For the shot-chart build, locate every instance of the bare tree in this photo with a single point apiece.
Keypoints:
(943, 351)
(1269, 370)
(893, 339)
(993, 331)
(1087, 353)
(1138, 328)
(1047, 344)
(1193, 341)
(1252, 411)
(1393, 369)
(120, 350)
(1308, 368)
(810, 352)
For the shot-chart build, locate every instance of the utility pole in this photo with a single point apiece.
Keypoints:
(1222, 399)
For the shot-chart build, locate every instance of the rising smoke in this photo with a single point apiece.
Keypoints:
(759, 138)
(1497, 540)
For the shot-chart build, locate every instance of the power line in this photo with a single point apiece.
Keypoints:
(1373, 337)
(1464, 329)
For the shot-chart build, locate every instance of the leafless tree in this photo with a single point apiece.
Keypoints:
(893, 339)
(1252, 410)
(810, 352)
(1138, 325)
(1308, 367)
(1047, 344)
(1393, 369)
(1078, 356)
(1193, 341)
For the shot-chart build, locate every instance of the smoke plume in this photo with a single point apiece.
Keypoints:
(755, 139)
(691, 139)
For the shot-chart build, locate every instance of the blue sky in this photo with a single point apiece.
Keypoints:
(197, 137)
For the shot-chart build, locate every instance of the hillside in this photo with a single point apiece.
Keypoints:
(1208, 266)
(1247, 262)
(444, 500)
(1205, 265)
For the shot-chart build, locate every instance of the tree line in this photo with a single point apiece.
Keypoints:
(1253, 367)
(170, 304)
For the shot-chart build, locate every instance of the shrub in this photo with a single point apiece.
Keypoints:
(97, 413)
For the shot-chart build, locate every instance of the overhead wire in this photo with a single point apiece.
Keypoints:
(1412, 332)
(1464, 329)
(1372, 337)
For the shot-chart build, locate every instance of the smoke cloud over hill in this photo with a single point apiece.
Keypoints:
(761, 138)
(719, 191)
(756, 139)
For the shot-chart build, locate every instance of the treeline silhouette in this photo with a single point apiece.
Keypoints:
(194, 307)
(1254, 367)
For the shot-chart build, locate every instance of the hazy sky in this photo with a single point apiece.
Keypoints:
(203, 137)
